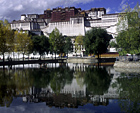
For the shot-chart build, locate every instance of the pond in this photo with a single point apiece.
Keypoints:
(68, 88)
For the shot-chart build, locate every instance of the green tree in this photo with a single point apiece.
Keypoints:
(96, 41)
(57, 41)
(6, 38)
(23, 42)
(11, 43)
(78, 43)
(41, 44)
(128, 38)
(60, 45)
(68, 45)
(113, 44)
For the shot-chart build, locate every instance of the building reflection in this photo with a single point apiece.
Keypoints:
(74, 94)
(77, 85)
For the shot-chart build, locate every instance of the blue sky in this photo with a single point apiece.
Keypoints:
(112, 6)
(12, 9)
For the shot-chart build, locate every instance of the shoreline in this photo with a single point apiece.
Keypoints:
(127, 64)
(63, 60)
(127, 70)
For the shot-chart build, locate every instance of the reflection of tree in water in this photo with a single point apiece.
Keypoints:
(23, 81)
(7, 89)
(41, 77)
(65, 100)
(130, 93)
(60, 76)
(19, 81)
(97, 80)
(14, 83)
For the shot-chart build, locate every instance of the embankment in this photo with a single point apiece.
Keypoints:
(127, 64)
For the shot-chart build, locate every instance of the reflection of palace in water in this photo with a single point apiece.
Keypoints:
(72, 95)
(74, 89)
(75, 93)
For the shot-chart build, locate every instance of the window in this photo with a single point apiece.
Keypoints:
(24, 24)
(77, 20)
(41, 24)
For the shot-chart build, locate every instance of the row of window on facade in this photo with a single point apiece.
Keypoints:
(104, 21)
(75, 21)
(79, 47)
(95, 14)
(73, 92)
(20, 24)
(27, 24)
(110, 16)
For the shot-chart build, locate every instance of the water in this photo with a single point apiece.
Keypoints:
(68, 88)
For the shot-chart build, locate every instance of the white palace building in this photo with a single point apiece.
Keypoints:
(70, 21)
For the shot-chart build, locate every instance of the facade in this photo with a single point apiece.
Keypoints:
(30, 23)
(70, 21)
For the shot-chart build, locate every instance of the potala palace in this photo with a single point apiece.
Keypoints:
(70, 21)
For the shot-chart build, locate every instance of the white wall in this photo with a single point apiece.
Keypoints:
(73, 28)
(67, 28)
(21, 26)
(108, 22)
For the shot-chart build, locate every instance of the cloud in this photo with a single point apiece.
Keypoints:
(108, 10)
(132, 2)
(19, 8)
(12, 9)
(117, 12)
(123, 4)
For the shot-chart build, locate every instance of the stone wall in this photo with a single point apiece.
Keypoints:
(82, 60)
(127, 64)
(127, 70)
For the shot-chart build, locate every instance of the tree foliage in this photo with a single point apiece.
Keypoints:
(6, 38)
(23, 42)
(113, 44)
(128, 38)
(40, 44)
(57, 41)
(96, 41)
(68, 45)
(79, 42)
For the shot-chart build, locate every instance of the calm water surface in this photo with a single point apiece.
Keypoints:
(69, 88)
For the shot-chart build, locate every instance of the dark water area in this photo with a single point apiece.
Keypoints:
(68, 88)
